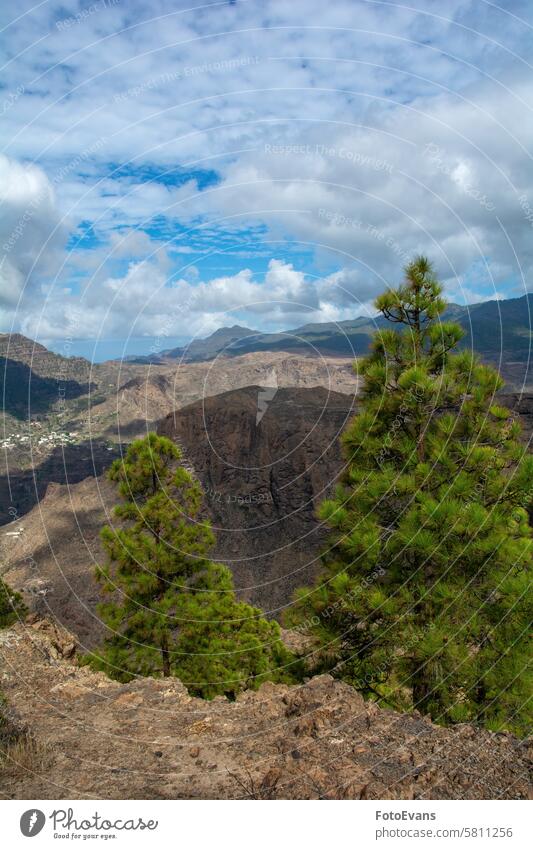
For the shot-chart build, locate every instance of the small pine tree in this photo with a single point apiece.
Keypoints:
(424, 596)
(172, 611)
(225, 646)
(12, 608)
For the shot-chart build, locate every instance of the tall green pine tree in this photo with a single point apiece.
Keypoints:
(425, 596)
(171, 610)
(12, 607)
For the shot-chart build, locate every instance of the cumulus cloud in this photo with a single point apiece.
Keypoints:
(143, 302)
(31, 230)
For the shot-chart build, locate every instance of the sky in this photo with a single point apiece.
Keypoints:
(169, 168)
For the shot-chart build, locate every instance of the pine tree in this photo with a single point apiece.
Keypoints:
(172, 611)
(12, 608)
(424, 599)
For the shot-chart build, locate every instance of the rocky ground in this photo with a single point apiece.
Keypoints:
(89, 737)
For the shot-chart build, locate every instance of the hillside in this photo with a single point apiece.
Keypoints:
(68, 394)
(43, 362)
(69, 440)
(95, 738)
(145, 394)
(36, 381)
(222, 339)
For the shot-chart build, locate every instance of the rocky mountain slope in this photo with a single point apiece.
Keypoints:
(23, 486)
(101, 398)
(51, 554)
(145, 394)
(67, 441)
(43, 363)
(90, 737)
(264, 480)
(63, 418)
(36, 381)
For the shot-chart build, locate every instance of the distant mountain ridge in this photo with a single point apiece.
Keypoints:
(35, 379)
(46, 364)
(492, 328)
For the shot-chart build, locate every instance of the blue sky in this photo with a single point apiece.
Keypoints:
(167, 169)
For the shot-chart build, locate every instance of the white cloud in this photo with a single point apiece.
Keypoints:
(142, 303)
(31, 231)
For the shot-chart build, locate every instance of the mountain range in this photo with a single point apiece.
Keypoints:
(498, 330)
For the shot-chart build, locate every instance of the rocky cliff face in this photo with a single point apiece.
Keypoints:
(265, 460)
(43, 363)
(138, 396)
(90, 737)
